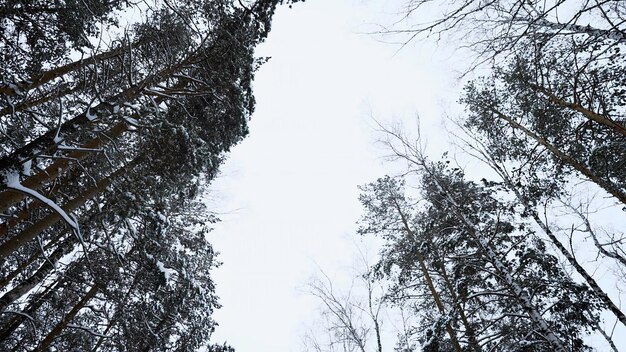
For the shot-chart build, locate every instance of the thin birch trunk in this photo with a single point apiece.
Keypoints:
(498, 264)
(591, 282)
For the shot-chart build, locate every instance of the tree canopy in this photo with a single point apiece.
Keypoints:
(107, 143)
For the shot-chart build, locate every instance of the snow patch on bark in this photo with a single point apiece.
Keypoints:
(13, 182)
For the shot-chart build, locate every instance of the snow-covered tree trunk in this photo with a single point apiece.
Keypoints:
(26, 285)
(34, 230)
(529, 209)
(516, 289)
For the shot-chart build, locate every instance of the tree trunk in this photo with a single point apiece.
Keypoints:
(32, 307)
(42, 78)
(35, 182)
(120, 307)
(591, 282)
(25, 105)
(5, 281)
(46, 144)
(600, 294)
(503, 272)
(589, 114)
(9, 197)
(45, 343)
(374, 316)
(25, 286)
(30, 233)
(429, 282)
(469, 330)
(606, 185)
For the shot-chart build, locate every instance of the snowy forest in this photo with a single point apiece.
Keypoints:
(509, 261)
(110, 132)
(115, 117)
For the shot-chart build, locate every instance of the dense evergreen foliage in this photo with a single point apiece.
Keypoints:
(110, 134)
(494, 285)
(107, 142)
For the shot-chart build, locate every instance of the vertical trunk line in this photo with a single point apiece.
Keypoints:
(471, 334)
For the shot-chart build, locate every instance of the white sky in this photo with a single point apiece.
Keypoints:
(291, 186)
(289, 190)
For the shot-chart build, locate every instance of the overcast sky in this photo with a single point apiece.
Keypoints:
(290, 188)
(289, 191)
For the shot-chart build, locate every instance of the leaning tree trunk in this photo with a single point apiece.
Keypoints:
(61, 325)
(606, 185)
(504, 273)
(429, 282)
(9, 197)
(30, 233)
(25, 286)
(35, 182)
(120, 308)
(42, 78)
(28, 104)
(12, 275)
(30, 309)
(591, 282)
(587, 113)
(46, 143)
